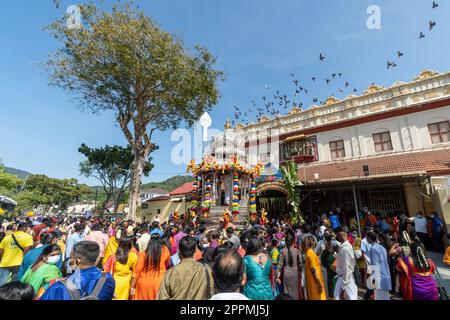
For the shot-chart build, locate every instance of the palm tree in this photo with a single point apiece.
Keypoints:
(290, 178)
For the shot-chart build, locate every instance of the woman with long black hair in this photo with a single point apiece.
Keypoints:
(257, 270)
(290, 270)
(150, 270)
(417, 271)
(121, 266)
(44, 270)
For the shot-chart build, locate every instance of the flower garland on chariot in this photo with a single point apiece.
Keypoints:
(206, 205)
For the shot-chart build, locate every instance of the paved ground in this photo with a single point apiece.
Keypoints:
(443, 270)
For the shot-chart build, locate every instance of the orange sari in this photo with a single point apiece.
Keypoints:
(149, 281)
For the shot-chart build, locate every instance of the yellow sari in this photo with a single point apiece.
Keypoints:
(312, 287)
(122, 275)
(110, 249)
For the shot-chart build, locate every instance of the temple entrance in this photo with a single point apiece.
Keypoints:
(272, 197)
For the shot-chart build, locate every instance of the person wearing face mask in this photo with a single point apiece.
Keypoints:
(87, 282)
(47, 239)
(44, 270)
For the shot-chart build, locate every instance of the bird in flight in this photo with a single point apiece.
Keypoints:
(432, 24)
(315, 100)
(354, 90)
(321, 57)
(346, 84)
(435, 5)
(399, 54)
(391, 64)
(327, 80)
(267, 87)
(313, 78)
(340, 74)
(421, 35)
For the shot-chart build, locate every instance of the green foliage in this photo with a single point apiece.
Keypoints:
(168, 184)
(121, 61)
(8, 183)
(290, 177)
(111, 166)
(40, 190)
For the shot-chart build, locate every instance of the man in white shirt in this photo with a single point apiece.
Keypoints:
(228, 274)
(346, 288)
(420, 226)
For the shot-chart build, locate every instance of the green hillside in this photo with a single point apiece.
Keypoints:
(169, 184)
(17, 172)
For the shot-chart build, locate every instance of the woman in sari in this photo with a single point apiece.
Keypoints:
(289, 272)
(315, 287)
(44, 271)
(417, 271)
(257, 271)
(121, 266)
(150, 270)
(328, 262)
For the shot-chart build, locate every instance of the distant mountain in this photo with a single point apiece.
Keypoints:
(169, 184)
(17, 172)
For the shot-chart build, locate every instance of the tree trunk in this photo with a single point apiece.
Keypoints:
(135, 186)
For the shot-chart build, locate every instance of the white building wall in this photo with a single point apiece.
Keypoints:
(408, 133)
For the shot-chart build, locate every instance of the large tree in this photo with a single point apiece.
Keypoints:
(111, 166)
(121, 61)
(8, 183)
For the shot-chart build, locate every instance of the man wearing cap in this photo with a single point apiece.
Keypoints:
(346, 288)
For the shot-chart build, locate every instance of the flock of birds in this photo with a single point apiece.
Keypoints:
(272, 107)
(431, 26)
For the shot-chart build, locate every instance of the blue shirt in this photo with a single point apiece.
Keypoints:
(334, 220)
(378, 257)
(71, 241)
(87, 279)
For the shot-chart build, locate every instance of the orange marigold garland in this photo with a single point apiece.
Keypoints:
(226, 218)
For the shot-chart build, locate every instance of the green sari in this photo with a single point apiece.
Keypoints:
(41, 277)
(327, 260)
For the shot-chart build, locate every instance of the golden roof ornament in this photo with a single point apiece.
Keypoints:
(331, 100)
(425, 74)
(264, 119)
(373, 88)
(239, 126)
(227, 124)
(295, 110)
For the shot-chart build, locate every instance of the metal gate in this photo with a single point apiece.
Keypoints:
(383, 199)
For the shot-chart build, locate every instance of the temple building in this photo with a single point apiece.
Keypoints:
(387, 150)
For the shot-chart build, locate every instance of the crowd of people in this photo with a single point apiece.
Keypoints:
(325, 258)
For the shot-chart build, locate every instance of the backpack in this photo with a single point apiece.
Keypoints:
(74, 292)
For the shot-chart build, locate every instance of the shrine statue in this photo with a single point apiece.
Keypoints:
(263, 217)
(228, 183)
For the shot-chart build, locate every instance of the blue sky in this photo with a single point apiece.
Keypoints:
(257, 42)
